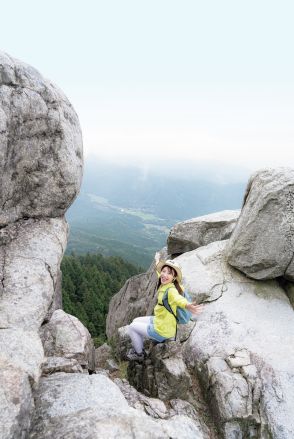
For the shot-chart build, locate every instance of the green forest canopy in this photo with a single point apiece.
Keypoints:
(88, 283)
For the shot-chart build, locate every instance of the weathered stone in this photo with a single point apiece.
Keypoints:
(152, 406)
(40, 145)
(81, 406)
(262, 243)
(232, 430)
(57, 297)
(16, 403)
(60, 364)
(163, 410)
(40, 175)
(231, 393)
(21, 350)
(65, 336)
(163, 374)
(238, 359)
(21, 354)
(197, 232)
(123, 343)
(29, 267)
(289, 290)
(243, 319)
(111, 365)
(102, 354)
(136, 298)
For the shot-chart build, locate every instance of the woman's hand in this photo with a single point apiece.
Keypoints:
(194, 308)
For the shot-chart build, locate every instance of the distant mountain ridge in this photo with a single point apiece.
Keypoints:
(127, 212)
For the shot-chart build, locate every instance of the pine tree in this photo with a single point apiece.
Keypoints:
(88, 283)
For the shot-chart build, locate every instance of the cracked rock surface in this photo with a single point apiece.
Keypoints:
(197, 232)
(81, 406)
(30, 257)
(65, 336)
(40, 176)
(40, 145)
(242, 346)
(262, 244)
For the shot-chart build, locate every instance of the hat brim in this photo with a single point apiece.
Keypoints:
(177, 269)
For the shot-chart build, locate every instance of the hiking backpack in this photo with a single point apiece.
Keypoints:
(182, 315)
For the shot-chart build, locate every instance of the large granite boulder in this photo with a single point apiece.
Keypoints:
(40, 175)
(197, 232)
(262, 244)
(40, 145)
(81, 406)
(65, 336)
(242, 346)
(21, 356)
(30, 257)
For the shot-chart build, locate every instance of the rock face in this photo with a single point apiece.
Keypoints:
(241, 350)
(41, 145)
(262, 244)
(40, 175)
(29, 274)
(163, 375)
(163, 409)
(98, 409)
(65, 336)
(200, 231)
(242, 346)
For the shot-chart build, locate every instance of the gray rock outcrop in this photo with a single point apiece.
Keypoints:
(65, 336)
(41, 169)
(242, 346)
(60, 364)
(104, 357)
(41, 145)
(30, 255)
(98, 409)
(164, 409)
(262, 244)
(240, 349)
(197, 232)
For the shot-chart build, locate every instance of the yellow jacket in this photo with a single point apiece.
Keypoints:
(164, 322)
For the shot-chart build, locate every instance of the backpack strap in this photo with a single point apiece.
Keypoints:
(166, 304)
(168, 308)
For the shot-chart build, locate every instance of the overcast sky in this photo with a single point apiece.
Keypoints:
(196, 80)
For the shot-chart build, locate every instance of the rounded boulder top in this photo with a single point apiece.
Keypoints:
(40, 145)
(262, 243)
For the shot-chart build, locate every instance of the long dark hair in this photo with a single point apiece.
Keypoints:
(175, 282)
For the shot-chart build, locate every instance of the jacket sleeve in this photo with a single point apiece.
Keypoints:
(177, 299)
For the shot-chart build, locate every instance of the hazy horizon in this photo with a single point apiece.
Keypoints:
(192, 81)
(208, 170)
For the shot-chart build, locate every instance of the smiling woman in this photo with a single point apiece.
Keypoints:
(163, 325)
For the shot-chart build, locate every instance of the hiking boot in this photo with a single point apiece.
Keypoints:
(133, 356)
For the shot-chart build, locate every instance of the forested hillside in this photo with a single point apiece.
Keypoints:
(88, 283)
(127, 212)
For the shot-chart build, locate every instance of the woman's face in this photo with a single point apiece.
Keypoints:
(166, 275)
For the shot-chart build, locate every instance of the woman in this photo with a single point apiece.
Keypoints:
(163, 325)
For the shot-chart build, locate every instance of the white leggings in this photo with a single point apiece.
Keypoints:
(137, 330)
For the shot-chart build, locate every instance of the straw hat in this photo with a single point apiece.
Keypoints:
(172, 264)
